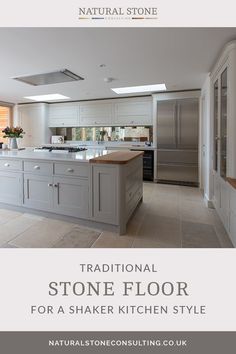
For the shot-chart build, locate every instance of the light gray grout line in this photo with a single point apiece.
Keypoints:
(38, 221)
(223, 236)
(96, 240)
(61, 237)
(6, 222)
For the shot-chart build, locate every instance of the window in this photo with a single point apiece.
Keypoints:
(5, 120)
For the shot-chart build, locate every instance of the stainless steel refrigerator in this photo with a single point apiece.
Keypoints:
(177, 141)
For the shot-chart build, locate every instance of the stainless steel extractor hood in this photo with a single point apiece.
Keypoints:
(49, 78)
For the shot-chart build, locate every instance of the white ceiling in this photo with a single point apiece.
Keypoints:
(179, 57)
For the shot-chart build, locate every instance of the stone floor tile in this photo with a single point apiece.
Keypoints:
(43, 234)
(161, 229)
(15, 227)
(196, 235)
(79, 237)
(8, 215)
(112, 240)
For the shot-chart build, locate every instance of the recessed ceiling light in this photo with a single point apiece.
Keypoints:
(134, 89)
(108, 79)
(51, 97)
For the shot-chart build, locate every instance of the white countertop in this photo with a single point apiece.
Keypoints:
(108, 146)
(82, 156)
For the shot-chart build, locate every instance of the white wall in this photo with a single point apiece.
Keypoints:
(205, 141)
(15, 115)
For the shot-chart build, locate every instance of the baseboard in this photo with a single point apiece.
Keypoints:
(209, 203)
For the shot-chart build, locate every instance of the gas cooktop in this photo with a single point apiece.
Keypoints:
(60, 148)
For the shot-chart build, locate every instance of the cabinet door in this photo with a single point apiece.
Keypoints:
(71, 196)
(63, 115)
(34, 121)
(95, 114)
(223, 124)
(38, 192)
(187, 123)
(11, 188)
(166, 124)
(224, 204)
(131, 112)
(105, 198)
(216, 126)
(216, 191)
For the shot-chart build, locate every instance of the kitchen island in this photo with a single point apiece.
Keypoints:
(100, 187)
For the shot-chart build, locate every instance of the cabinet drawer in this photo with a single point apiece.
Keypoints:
(134, 181)
(232, 228)
(11, 165)
(233, 200)
(78, 170)
(132, 203)
(38, 167)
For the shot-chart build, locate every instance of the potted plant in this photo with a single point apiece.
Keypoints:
(13, 133)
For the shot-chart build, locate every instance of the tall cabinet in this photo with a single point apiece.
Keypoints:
(223, 93)
(33, 118)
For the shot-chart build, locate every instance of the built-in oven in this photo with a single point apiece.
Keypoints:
(148, 164)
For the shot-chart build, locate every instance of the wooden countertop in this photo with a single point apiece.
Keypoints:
(117, 157)
(231, 181)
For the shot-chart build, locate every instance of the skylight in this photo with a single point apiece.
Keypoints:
(51, 97)
(136, 89)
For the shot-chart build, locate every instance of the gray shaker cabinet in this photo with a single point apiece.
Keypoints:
(38, 192)
(58, 194)
(11, 187)
(70, 196)
(105, 194)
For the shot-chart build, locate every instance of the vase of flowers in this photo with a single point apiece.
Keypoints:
(13, 133)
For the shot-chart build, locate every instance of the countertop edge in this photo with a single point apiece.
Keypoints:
(231, 181)
(110, 158)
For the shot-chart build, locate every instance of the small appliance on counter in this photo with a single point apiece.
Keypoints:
(57, 139)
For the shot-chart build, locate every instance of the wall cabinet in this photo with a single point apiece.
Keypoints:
(37, 119)
(100, 113)
(132, 112)
(63, 115)
(33, 118)
(95, 114)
